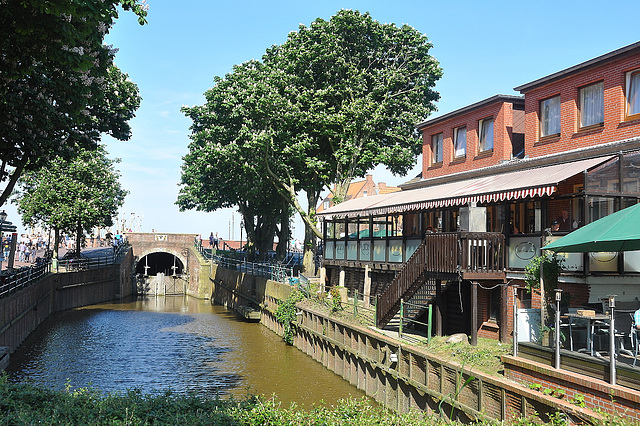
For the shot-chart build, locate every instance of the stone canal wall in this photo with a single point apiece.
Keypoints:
(23, 311)
(398, 375)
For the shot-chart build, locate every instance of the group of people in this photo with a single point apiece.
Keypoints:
(214, 240)
(27, 247)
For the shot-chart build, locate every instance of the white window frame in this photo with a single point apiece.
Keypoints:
(437, 145)
(459, 151)
(591, 105)
(550, 116)
(482, 137)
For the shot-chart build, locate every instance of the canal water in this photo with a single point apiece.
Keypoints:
(178, 343)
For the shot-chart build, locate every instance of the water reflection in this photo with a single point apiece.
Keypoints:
(180, 343)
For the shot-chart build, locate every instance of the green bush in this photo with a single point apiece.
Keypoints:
(286, 314)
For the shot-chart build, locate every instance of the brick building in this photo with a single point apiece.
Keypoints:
(529, 168)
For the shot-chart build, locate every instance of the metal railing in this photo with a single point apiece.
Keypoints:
(85, 263)
(11, 282)
(406, 320)
(273, 271)
(17, 279)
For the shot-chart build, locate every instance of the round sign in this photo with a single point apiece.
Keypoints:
(526, 250)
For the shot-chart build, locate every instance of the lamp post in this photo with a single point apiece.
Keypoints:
(612, 340)
(557, 333)
(3, 218)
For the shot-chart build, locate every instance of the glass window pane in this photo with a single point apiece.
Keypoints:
(363, 230)
(600, 207)
(550, 116)
(633, 93)
(486, 134)
(592, 105)
(436, 148)
(631, 173)
(461, 142)
(353, 229)
(604, 178)
(330, 230)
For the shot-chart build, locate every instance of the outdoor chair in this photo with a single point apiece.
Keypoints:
(571, 326)
(634, 339)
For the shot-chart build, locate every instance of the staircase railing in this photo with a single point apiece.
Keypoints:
(448, 256)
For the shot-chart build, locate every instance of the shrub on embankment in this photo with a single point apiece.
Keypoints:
(22, 404)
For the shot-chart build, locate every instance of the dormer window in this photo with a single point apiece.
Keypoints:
(550, 117)
(436, 149)
(460, 142)
(633, 94)
(485, 128)
(592, 105)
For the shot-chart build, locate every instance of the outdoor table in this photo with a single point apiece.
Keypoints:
(590, 327)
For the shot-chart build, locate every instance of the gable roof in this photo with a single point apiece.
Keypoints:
(493, 99)
(632, 48)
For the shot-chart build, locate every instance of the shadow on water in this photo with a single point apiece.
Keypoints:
(178, 343)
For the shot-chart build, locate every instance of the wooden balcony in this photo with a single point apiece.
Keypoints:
(444, 256)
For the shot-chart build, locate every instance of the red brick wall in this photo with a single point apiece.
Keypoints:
(502, 114)
(615, 128)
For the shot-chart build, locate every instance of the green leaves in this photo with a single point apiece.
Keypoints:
(57, 82)
(84, 190)
(334, 101)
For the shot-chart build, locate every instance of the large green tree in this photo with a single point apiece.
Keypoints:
(334, 101)
(57, 81)
(356, 89)
(225, 167)
(74, 195)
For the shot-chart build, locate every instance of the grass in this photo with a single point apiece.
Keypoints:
(484, 357)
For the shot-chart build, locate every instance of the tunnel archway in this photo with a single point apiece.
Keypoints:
(160, 263)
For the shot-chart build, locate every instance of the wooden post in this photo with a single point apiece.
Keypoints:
(504, 313)
(474, 314)
(367, 285)
(438, 313)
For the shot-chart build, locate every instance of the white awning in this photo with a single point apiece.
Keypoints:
(536, 182)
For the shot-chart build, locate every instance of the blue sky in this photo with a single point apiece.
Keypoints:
(485, 48)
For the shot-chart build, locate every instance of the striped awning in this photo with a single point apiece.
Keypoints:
(521, 184)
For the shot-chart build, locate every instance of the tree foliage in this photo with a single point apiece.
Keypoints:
(58, 87)
(334, 101)
(224, 166)
(73, 195)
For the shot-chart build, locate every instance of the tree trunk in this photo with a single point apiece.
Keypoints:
(310, 234)
(309, 253)
(284, 233)
(56, 243)
(79, 236)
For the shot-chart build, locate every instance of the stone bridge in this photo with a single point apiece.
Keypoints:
(168, 264)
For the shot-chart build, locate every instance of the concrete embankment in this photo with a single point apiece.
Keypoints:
(398, 375)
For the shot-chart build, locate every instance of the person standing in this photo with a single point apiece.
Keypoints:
(564, 224)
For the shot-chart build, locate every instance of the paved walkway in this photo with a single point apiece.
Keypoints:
(91, 253)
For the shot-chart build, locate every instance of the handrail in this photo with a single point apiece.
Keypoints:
(12, 281)
(84, 263)
(23, 277)
(443, 255)
(272, 271)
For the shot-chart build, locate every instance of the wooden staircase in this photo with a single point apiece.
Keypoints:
(445, 256)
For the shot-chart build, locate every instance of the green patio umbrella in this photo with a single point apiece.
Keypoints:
(616, 232)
